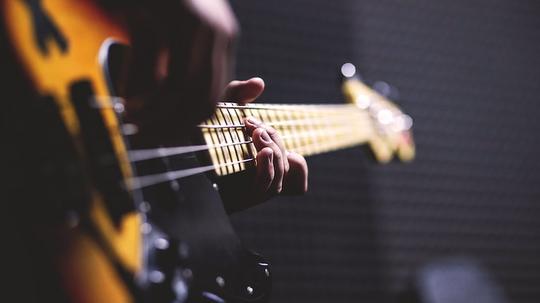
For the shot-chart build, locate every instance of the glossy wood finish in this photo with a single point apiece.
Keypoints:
(87, 271)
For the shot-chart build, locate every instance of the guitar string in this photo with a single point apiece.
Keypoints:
(153, 179)
(148, 180)
(153, 153)
(313, 108)
(147, 154)
(324, 122)
(287, 107)
(292, 122)
(328, 110)
(103, 101)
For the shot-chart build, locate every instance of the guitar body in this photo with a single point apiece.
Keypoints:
(57, 44)
(79, 225)
(79, 235)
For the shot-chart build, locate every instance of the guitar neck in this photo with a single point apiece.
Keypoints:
(304, 129)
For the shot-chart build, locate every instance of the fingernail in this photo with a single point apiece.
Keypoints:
(254, 121)
(265, 137)
(270, 158)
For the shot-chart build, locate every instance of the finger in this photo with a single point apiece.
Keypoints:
(262, 140)
(295, 182)
(265, 170)
(252, 123)
(274, 135)
(244, 91)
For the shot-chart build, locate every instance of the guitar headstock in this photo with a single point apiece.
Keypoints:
(392, 129)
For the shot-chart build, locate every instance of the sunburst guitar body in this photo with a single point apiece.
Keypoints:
(60, 49)
(82, 222)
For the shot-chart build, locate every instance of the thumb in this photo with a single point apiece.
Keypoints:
(244, 91)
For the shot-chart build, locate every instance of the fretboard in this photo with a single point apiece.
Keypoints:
(304, 129)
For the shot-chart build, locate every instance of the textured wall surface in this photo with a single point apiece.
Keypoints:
(469, 74)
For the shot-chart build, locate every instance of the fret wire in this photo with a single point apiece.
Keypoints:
(324, 126)
(303, 130)
(302, 140)
(343, 126)
(248, 113)
(312, 149)
(235, 135)
(264, 114)
(226, 136)
(215, 154)
(315, 139)
(249, 150)
(219, 151)
(144, 181)
(328, 122)
(296, 129)
(333, 130)
(309, 149)
(280, 116)
(222, 116)
(222, 156)
(235, 118)
(251, 112)
(289, 128)
(330, 145)
(309, 134)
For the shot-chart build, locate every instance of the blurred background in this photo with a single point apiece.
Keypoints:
(468, 72)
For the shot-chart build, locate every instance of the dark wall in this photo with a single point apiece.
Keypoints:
(469, 74)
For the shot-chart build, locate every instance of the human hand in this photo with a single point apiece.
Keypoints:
(278, 170)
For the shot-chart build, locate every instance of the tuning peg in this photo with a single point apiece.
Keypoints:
(387, 90)
(348, 71)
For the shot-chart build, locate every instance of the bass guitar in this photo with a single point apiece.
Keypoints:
(107, 222)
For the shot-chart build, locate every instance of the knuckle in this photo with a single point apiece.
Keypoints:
(277, 188)
(270, 130)
(258, 132)
(266, 152)
(278, 155)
